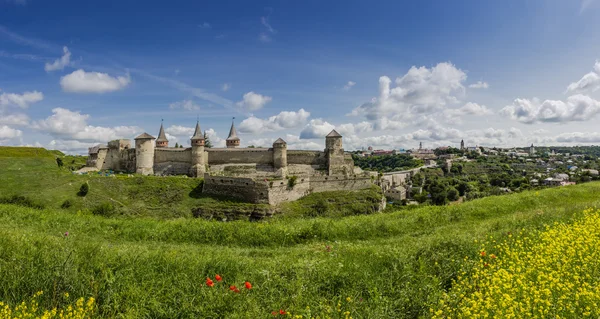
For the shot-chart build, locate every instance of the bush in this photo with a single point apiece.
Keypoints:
(104, 209)
(292, 180)
(84, 189)
(66, 204)
(21, 201)
(452, 194)
(320, 208)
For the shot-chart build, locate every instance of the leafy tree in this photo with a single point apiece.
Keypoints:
(207, 142)
(84, 189)
(176, 145)
(452, 194)
(386, 163)
(59, 162)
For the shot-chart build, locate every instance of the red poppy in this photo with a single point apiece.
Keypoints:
(209, 282)
(282, 312)
(274, 313)
(232, 287)
(483, 254)
(218, 278)
(493, 256)
(248, 285)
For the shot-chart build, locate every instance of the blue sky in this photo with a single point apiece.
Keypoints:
(388, 74)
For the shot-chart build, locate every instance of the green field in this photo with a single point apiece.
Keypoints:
(137, 263)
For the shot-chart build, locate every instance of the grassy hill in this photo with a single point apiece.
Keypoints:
(388, 265)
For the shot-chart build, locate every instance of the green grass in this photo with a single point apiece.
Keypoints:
(392, 265)
(398, 263)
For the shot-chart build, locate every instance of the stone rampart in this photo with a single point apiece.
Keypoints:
(218, 156)
(245, 189)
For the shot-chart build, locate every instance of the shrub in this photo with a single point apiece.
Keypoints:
(292, 181)
(59, 162)
(320, 208)
(104, 209)
(66, 204)
(84, 189)
(452, 194)
(21, 201)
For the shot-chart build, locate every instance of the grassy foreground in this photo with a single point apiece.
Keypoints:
(391, 265)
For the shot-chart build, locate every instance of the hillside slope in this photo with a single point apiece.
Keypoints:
(392, 265)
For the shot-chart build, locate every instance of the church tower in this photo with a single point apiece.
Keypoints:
(462, 145)
(162, 141)
(233, 141)
(531, 150)
(198, 157)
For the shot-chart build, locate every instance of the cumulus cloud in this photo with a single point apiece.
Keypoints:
(349, 85)
(70, 125)
(479, 85)
(354, 128)
(20, 100)
(576, 108)
(214, 138)
(71, 146)
(316, 128)
(421, 90)
(226, 87)
(7, 133)
(81, 81)
(578, 137)
(283, 120)
(253, 101)
(186, 105)
(588, 83)
(59, 64)
(14, 119)
(469, 108)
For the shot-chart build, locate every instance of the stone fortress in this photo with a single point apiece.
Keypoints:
(258, 175)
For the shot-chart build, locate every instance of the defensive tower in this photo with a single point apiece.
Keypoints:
(233, 141)
(280, 156)
(144, 154)
(334, 152)
(162, 141)
(198, 167)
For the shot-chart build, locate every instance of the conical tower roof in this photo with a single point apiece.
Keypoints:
(162, 137)
(279, 141)
(333, 133)
(232, 134)
(198, 133)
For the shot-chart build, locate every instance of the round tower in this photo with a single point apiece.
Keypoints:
(333, 141)
(233, 141)
(280, 155)
(144, 154)
(198, 156)
(162, 140)
(334, 153)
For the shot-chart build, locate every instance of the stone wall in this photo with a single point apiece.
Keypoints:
(314, 158)
(180, 155)
(244, 189)
(240, 156)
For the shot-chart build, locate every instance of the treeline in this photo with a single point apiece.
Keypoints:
(386, 163)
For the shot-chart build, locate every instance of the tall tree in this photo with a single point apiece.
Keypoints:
(207, 142)
(176, 145)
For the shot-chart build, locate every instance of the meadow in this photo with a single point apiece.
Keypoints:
(395, 264)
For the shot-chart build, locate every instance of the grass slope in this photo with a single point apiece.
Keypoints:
(392, 265)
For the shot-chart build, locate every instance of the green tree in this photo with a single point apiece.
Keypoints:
(59, 162)
(176, 145)
(452, 194)
(207, 142)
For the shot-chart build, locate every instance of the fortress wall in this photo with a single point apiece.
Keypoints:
(100, 161)
(244, 189)
(181, 155)
(240, 156)
(172, 168)
(306, 158)
(336, 183)
(279, 193)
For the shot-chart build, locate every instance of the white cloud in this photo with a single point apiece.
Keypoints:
(265, 22)
(266, 35)
(71, 146)
(214, 138)
(186, 105)
(7, 133)
(81, 81)
(588, 83)
(420, 91)
(349, 85)
(66, 124)
(578, 137)
(205, 25)
(226, 87)
(479, 85)
(316, 128)
(14, 119)
(21, 100)
(469, 108)
(354, 128)
(59, 64)
(180, 130)
(576, 108)
(253, 101)
(283, 120)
